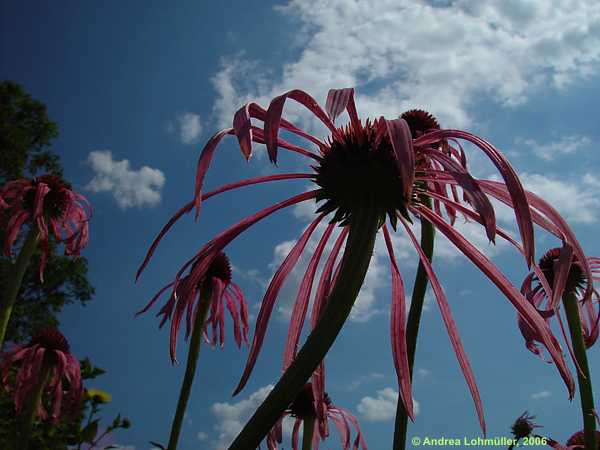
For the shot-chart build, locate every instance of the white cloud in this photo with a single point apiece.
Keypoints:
(129, 187)
(423, 373)
(566, 145)
(188, 125)
(413, 54)
(540, 395)
(362, 379)
(382, 407)
(577, 201)
(202, 436)
(231, 417)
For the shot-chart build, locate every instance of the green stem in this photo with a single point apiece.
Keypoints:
(413, 322)
(355, 262)
(308, 432)
(29, 413)
(190, 369)
(583, 377)
(15, 279)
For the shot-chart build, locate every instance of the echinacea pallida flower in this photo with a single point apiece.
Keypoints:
(51, 206)
(387, 168)
(575, 442)
(523, 427)
(215, 281)
(571, 280)
(47, 355)
(311, 405)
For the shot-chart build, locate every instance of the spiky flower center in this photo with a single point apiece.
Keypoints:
(303, 406)
(576, 277)
(523, 426)
(420, 122)
(359, 168)
(579, 439)
(56, 200)
(51, 339)
(220, 268)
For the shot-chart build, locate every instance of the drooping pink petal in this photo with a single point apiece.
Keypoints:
(450, 325)
(207, 254)
(269, 300)
(243, 130)
(340, 99)
(301, 304)
(471, 188)
(273, 118)
(323, 287)
(398, 330)
(189, 206)
(402, 143)
(523, 307)
(564, 230)
(204, 162)
(513, 184)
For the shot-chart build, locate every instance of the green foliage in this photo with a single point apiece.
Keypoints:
(25, 132)
(73, 431)
(25, 135)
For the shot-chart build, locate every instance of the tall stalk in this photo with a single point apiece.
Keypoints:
(413, 322)
(355, 262)
(584, 379)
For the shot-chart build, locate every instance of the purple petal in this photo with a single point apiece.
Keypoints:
(450, 325)
(401, 139)
(269, 300)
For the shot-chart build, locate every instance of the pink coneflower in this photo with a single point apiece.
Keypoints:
(218, 288)
(315, 409)
(572, 280)
(378, 170)
(46, 359)
(523, 428)
(575, 442)
(50, 205)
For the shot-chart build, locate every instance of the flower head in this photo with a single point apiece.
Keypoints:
(399, 169)
(309, 405)
(575, 442)
(47, 353)
(50, 205)
(98, 395)
(211, 283)
(523, 426)
(553, 278)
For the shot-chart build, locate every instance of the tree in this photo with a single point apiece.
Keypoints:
(25, 136)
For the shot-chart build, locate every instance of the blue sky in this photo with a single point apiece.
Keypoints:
(137, 89)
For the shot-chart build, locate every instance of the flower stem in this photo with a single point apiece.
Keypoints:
(190, 369)
(308, 432)
(583, 377)
(414, 319)
(15, 279)
(31, 407)
(355, 262)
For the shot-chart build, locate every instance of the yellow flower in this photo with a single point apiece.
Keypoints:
(98, 395)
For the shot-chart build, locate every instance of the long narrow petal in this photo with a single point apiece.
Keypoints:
(269, 300)
(302, 298)
(402, 143)
(227, 187)
(398, 330)
(204, 162)
(471, 188)
(273, 118)
(523, 307)
(513, 184)
(450, 326)
(340, 99)
(565, 230)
